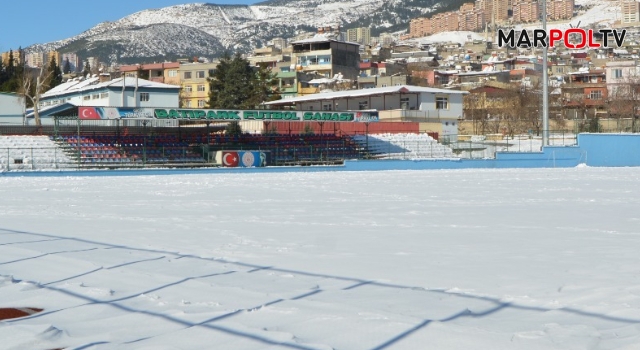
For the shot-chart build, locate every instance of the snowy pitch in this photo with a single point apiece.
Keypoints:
(465, 259)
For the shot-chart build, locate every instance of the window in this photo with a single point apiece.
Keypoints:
(187, 75)
(363, 105)
(200, 88)
(104, 95)
(200, 74)
(595, 95)
(85, 98)
(187, 88)
(173, 73)
(442, 103)
(95, 96)
(144, 96)
(201, 103)
(326, 106)
(617, 73)
(187, 104)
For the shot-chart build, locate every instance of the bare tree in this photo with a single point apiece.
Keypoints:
(624, 103)
(33, 85)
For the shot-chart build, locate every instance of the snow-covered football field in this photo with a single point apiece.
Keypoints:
(464, 259)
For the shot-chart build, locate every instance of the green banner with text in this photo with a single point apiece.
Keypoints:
(266, 115)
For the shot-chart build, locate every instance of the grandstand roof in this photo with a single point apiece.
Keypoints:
(94, 83)
(364, 92)
(52, 110)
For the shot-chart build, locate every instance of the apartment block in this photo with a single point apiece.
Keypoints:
(6, 55)
(194, 84)
(34, 59)
(326, 57)
(525, 11)
(559, 9)
(630, 11)
(360, 35)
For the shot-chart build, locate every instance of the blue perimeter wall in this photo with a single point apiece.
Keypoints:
(597, 150)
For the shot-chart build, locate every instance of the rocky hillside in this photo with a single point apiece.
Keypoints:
(208, 29)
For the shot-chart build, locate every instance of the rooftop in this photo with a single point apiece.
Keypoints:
(364, 92)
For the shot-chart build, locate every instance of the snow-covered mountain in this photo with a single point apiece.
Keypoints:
(201, 29)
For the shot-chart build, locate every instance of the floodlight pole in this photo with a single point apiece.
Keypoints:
(545, 81)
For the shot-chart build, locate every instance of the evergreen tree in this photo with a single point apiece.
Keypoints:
(11, 65)
(142, 74)
(54, 75)
(86, 70)
(266, 85)
(67, 66)
(235, 84)
(233, 128)
(3, 75)
(12, 75)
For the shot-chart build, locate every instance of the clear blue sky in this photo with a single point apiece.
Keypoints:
(30, 22)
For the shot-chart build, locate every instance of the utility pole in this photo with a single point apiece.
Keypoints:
(545, 81)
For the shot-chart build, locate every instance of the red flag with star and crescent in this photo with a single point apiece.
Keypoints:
(230, 159)
(88, 113)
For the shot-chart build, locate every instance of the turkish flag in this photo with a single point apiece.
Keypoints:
(230, 159)
(88, 113)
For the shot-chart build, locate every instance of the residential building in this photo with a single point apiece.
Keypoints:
(54, 55)
(194, 84)
(100, 91)
(326, 57)
(386, 39)
(166, 72)
(269, 55)
(34, 59)
(6, 55)
(394, 103)
(620, 75)
(559, 9)
(279, 43)
(360, 35)
(630, 11)
(525, 11)
(586, 91)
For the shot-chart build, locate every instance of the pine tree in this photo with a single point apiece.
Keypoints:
(13, 75)
(142, 73)
(67, 66)
(54, 75)
(235, 84)
(86, 70)
(11, 65)
(3, 75)
(266, 85)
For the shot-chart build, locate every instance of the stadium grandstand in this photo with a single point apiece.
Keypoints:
(88, 145)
